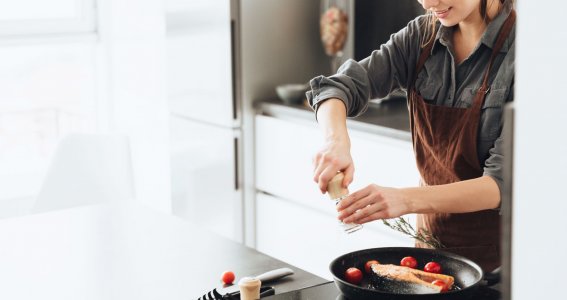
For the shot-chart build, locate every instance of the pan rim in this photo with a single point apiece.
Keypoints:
(425, 250)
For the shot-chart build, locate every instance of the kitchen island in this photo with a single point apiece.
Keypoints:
(124, 252)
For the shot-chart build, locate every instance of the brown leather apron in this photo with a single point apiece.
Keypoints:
(445, 145)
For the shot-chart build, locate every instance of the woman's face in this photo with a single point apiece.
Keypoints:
(452, 12)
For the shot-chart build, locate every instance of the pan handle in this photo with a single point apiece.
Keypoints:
(493, 277)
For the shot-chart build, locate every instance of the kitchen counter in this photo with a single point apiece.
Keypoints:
(124, 252)
(388, 118)
(329, 291)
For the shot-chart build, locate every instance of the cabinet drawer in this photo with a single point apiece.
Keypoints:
(311, 239)
(284, 151)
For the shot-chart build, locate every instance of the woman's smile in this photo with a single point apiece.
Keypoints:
(442, 14)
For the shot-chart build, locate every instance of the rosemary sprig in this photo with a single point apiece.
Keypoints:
(424, 236)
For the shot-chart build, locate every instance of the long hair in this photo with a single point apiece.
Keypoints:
(431, 21)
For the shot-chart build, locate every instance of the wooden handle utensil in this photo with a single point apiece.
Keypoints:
(335, 187)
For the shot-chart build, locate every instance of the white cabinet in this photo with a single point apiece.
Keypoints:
(201, 60)
(309, 238)
(284, 152)
(295, 222)
(202, 92)
(204, 179)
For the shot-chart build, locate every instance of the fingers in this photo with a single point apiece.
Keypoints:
(379, 215)
(349, 175)
(326, 167)
(326, 175)
(363, 205)
(353, 202)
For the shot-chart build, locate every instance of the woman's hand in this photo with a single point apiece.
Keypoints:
(373, 203)
(335, 156)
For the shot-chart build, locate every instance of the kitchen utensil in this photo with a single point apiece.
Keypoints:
(468, 275)
(233, 291)
(337, 193)
(292, 93)
(214, 295)
(249, 288)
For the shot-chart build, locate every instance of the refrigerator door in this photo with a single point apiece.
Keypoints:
(205, 184)
(201, 61)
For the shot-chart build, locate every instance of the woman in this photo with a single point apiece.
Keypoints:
(457, 65)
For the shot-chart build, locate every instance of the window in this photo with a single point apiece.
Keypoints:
(47, 85)
(24, 17)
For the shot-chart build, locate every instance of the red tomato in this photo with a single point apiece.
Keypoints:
(353, 275)
(432, 267)
(409, 261)
(440, 283)
(227, 277)
(368, 265)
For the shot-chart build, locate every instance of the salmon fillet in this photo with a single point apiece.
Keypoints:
(412, 280)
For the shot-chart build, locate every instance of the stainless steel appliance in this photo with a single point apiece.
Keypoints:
(376, 20)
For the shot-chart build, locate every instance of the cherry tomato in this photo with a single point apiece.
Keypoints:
(227, 277)
(409, 261)
(353, 275)
(442, 284)
(432, 267)
(368, 266)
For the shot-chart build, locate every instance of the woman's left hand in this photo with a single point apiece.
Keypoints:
(373, 203)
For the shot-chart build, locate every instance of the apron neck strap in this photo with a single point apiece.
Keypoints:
(502, 37)
(425, 52)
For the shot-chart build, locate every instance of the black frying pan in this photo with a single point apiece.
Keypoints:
(468, 275)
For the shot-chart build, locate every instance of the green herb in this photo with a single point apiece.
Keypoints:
(423, 235)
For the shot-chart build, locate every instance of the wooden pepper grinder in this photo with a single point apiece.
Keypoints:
(249, 288)
(337, 193)
(335, 187)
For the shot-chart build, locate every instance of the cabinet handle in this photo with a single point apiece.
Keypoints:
(233, 64)
(236, 177)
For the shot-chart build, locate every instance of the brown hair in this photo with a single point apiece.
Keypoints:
(431, 21)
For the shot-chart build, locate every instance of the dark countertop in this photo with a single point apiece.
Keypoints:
(329, 291)
(389, 118)
(243, 261)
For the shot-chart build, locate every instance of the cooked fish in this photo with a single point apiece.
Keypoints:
(406, 280)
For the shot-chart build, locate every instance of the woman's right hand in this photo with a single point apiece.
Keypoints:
(332, 158)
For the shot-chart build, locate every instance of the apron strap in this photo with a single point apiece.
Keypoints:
(424, 55)
(502, 37)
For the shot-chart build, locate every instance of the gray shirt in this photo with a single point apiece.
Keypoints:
(441, 82)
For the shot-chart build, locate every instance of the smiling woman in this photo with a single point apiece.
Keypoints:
(450, 63)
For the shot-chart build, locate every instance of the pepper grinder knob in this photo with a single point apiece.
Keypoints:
(335, 187)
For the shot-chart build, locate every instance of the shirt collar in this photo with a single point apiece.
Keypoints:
(490, 35)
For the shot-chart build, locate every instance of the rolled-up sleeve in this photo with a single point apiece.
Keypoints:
(494, 162)
(376, 76)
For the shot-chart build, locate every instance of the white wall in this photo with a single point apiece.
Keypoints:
(540, 167)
